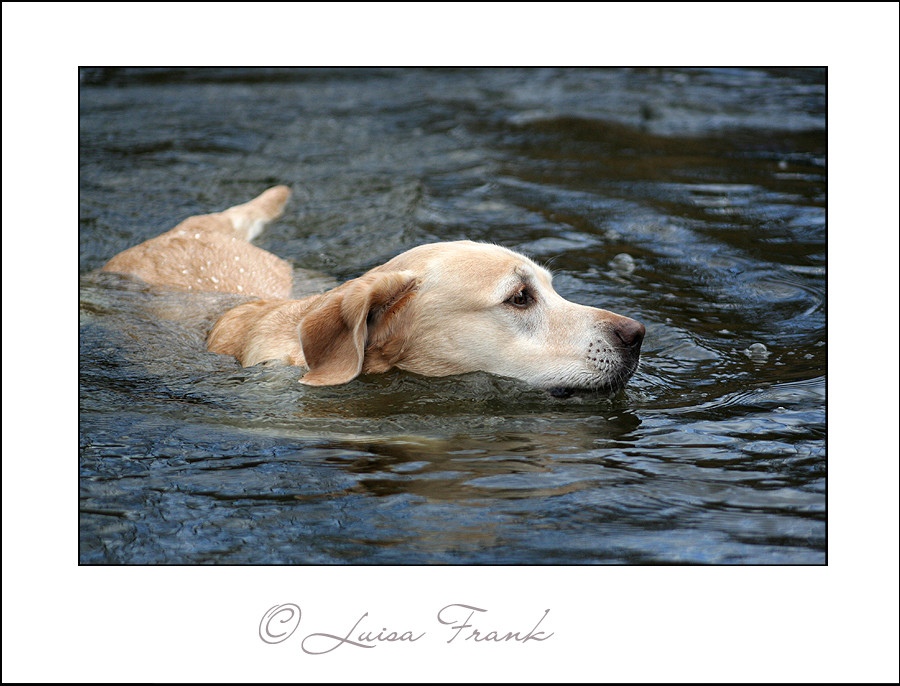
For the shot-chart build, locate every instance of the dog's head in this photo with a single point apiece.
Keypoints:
(451, 308)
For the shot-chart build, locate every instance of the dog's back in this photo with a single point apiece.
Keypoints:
(211, 252)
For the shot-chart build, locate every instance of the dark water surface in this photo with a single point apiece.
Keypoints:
(691, 200)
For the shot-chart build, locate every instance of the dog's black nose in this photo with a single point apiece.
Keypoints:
(630, 332)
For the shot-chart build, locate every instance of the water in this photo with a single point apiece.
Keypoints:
(691, 200)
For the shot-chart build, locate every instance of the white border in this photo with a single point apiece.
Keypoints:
(62, 622)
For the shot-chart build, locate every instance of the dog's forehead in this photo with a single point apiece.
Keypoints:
(464, 255)
(484, 267)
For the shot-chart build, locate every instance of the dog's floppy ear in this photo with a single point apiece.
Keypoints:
(333, 334)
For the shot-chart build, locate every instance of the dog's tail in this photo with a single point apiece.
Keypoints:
(249, 219)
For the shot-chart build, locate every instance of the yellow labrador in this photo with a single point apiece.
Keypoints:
(438, 309)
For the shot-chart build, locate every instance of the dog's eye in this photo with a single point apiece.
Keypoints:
(521, 299)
